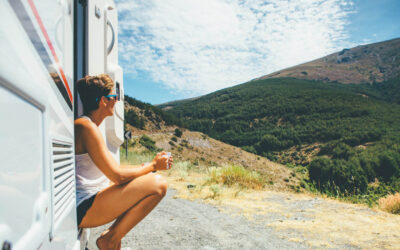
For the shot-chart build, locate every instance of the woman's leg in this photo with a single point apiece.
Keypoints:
(130, 202)
(126, 222)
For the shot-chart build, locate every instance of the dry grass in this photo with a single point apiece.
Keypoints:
(390, 203)
(231, 175)
(135, 158)
(203, 152)
(211, 183)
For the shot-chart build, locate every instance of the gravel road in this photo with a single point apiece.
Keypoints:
(183, 224)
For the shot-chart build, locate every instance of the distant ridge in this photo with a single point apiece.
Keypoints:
(376, 62)
(182, 100)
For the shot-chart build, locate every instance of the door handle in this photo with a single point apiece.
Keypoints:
(111, 46)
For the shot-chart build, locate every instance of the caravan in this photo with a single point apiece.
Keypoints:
(45, 46)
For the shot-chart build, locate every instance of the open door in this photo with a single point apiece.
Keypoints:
(102, 57)
(115, 123)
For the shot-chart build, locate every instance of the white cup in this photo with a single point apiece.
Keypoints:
(169, 156)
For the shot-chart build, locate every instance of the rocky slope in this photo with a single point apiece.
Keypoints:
(370, 63)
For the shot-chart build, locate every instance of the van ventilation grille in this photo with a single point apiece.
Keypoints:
(63, 178)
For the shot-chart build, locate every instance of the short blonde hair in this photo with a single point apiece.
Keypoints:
(91, 88)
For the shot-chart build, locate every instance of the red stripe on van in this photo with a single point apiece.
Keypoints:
(43, 29)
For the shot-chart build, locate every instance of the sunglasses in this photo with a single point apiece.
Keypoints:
(116, 98)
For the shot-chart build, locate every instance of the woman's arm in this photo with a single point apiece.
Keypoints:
(98, 151)
(131, 166)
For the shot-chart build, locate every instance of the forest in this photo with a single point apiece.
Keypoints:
(153, 113)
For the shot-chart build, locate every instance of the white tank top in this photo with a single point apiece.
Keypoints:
(89, 178)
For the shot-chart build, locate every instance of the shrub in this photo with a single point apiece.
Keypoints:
(250, 149)
(327, 149)
(369, 165)
(388, 165)
(233, 174)
(178, 132)
(216, 190)
(174, 139)
(148, 113)
(342, 151)
(347, 176)
(390, 203)
(320, 169)
(270, 156)
(268, 143)
(351, 140)
(148, 143)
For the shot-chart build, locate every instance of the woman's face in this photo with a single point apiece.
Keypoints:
(110, 103)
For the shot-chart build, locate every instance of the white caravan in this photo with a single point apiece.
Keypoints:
(45, 46)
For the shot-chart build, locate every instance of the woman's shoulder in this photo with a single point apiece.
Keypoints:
(82, 124)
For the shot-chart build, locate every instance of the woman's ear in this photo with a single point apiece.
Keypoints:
(102, 103)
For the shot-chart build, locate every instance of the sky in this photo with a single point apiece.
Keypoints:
(177, 49)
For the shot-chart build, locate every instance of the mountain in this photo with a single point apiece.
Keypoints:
(370, 63)
(347, 135)
(296, 122)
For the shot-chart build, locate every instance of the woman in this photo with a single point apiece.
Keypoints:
(134, 190)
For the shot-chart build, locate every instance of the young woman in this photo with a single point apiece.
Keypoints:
(133, 191)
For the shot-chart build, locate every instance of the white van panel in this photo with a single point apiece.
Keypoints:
(35, 110)
(21, 178)
(25, 210)
(95, 40)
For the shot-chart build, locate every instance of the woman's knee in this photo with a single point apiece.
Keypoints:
(160, 185)
(152, 184)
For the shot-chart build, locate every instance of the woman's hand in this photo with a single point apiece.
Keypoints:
(170, 161)
(160, 162)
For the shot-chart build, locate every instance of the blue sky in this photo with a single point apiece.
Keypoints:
(177, 49)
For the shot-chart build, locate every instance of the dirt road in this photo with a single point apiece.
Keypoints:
(262, 220)
(183, 224)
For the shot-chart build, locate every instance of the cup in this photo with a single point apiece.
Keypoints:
(168, 163)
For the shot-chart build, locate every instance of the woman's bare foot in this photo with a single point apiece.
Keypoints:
(104, 242)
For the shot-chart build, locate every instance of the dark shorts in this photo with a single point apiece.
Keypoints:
(83, 208)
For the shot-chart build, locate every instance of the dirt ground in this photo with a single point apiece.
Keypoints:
(299, 217)
(182, 224)
(259, 220)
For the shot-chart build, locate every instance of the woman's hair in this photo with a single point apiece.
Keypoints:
(92, 87)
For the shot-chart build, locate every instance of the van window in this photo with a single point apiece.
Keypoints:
(117, 91)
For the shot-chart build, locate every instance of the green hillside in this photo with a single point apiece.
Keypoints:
(148, 114)
(275, 114)
(355, 127)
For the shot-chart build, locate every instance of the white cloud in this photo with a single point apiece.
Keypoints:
(199, 46)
